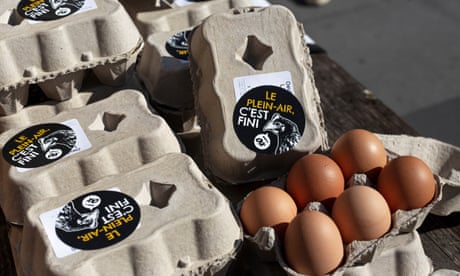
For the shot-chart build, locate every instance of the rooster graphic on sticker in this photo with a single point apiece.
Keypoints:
(39, 145)
(269, 119)
(97, 220)
(46, 10)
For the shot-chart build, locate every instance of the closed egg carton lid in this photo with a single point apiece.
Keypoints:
(247, 47)
(41, 107)
(164, 70)
(172, 224)
(79, 39)
(186, 14)
(77, 147)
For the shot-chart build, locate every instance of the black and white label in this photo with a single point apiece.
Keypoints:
(47, 10)
(269, 119)
(92, 221)
(42, 144)
(177, 45)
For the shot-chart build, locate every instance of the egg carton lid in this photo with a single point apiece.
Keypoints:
(186, 226)
(248, 47)
(33, 53)
(164, 69)
(42, 108)
(77, 147)
(184, 16)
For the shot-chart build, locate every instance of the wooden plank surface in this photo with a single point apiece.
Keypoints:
(346, 104)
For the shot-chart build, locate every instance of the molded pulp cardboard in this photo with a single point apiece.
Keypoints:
(400, 251)
(55, 53)
(164, 67)
(239, 44)
(123, 134)
(187, 227)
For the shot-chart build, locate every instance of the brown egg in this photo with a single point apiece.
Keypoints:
(407, 183)
(312, 244)
(267, 206)
(361, 213)
(359, 151)
(315, 177)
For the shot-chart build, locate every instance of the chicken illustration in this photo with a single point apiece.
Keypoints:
(54, 143)
(286, 131)
(71, 220)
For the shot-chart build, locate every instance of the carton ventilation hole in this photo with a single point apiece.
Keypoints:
(161, 193)
(10, 17)
(256, 53)
(107, 121)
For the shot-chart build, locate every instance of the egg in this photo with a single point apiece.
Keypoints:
(315, 177)
(359, 151)
(407, 182)
(267, 206)
(312, 244)
(361, 213)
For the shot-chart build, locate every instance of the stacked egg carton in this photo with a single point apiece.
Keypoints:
(55, 54)
(97, 123)
(164, 68)
(123, 198)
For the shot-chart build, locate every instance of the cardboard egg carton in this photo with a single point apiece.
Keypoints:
(42, 108)
(111, 136)
(186, 227)
(248, 47)
(55, 54)
(167, 80)
(400, 251)
(164, 67)
(185, 15)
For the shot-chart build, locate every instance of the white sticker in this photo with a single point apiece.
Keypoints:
(82, 142)
(87, 6)
(48, 220)
(243, 84)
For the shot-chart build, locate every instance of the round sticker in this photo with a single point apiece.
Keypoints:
(97, 220)
(45, 10)
(39, 145)
(269, 119)
(177, 45)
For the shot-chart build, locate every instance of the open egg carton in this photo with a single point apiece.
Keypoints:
(400, 251)
(164, 218)
(52, 44)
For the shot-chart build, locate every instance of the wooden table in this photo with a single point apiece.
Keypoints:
(347, 104)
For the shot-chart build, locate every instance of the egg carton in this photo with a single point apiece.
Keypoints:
(108, 137)
(256, 134)
(185, 15)
(41, 108)
(400, 251)
(54, 54)
(164, 67)
(184, 226)
(167, 78)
